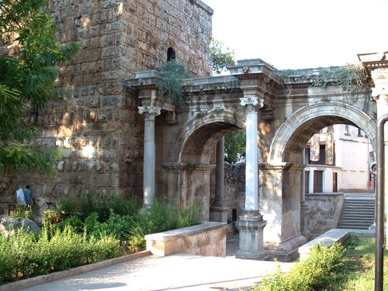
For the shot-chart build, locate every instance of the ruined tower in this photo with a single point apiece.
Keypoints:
(98, 124)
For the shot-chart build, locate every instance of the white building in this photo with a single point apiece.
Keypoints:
(337, 160)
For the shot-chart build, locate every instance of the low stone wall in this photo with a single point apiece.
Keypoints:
(206, 239)
(332, 236)
(324, 210)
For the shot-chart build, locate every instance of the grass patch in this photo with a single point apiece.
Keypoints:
(360, 260)
(347, 267)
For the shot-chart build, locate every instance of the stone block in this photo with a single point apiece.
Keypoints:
(206, 239)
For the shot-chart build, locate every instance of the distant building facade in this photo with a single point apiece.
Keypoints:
(338, 160)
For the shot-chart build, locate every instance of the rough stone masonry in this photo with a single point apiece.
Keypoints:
(98, 124)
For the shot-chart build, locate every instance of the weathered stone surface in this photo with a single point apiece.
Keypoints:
(205, 239)
(11, 225)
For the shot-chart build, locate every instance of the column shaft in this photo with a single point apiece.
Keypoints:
(220, 172)
(150, 113)
(251, 171)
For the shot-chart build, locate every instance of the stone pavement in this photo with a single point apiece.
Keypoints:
(175, 272)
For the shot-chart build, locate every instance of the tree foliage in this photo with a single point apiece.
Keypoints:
(30, 57)
(235, 146)
(221, 58)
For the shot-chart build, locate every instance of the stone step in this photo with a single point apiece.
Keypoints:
(364, 227)
(349, 221)
(357, 213)
(359, 216)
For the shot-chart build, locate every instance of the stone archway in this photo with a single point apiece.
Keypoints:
(293, 134)
(281, 197)
(187, 179)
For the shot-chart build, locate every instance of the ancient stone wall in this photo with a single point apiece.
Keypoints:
(97, 123)
(324, 211)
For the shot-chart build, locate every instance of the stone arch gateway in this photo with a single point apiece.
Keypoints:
(289, 111)
(315, 117)
(282, 191)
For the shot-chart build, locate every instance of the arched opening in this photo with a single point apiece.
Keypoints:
(170, 54)
(189, 178)
(282, 196)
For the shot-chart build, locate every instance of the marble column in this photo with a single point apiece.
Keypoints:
(150, 112)
(219, 210)
(251, 223)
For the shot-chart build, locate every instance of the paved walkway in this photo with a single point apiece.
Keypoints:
(175, 272)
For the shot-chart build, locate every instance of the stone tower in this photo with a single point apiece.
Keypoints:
(99, 124)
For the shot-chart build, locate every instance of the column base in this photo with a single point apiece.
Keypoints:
(219, 213)
(286, 251)
(250, 227)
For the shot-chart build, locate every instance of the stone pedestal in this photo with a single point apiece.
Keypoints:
(219, 213)
(250, 228)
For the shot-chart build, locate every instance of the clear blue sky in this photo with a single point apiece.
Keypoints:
(301, 33)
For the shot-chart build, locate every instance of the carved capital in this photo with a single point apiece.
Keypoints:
(150, 112)
(251, 102)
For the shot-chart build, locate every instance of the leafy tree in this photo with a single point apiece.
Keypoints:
(29, 60)
(235, 146)
(221, 59)
(234, 141)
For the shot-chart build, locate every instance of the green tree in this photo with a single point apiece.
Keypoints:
(235, 146)
(30, 57)
(221, 58)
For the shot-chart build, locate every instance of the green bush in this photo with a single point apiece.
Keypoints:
(117, 226)
(92, 202)
(161, 217)
(318, 271)
(69, 239)
(26, 255)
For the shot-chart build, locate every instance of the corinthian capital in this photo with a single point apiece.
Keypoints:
(149, 111)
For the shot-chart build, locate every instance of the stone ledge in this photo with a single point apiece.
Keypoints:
(330, 237)
(205, 239)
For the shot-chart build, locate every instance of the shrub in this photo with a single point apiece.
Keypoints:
(102, 205)
(68, 239)
(161, 217)
(117, 226)
(321, 268)
(26, 255)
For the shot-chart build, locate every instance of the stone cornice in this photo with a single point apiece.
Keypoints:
(373, 61)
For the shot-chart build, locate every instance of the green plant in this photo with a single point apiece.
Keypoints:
(29, 65)
(102, 205)
(350, 77)
(170, 85)
(161, 217)
(24, 211)
(235, 146)
(69, 242)
(318, 271)
(26, 255)
(221, 59)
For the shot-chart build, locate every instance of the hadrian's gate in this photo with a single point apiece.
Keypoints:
(293, 111)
